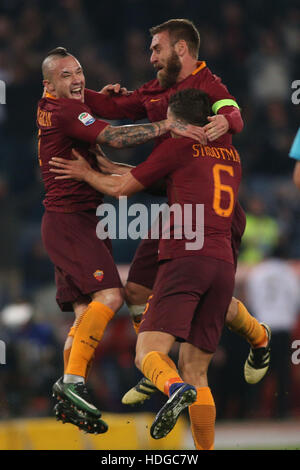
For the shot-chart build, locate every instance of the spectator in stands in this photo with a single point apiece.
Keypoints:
(273, 295)
(261, 233)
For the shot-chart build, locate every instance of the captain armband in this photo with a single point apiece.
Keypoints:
(221, 103)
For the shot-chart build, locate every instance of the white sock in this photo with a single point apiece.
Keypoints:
(73, 379)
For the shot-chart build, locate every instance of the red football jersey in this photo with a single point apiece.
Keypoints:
(65, 124)
(196, 175)
(151, 100)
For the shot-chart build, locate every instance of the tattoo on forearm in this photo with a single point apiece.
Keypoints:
(129, 136)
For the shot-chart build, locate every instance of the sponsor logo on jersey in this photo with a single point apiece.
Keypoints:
(86, 119)
(99, 275)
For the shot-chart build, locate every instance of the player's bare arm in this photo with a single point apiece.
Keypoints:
(132, 135)
(107, 166)
(114, 185)
(80, 170)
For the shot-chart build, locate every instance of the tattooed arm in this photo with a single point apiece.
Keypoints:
(131, 135)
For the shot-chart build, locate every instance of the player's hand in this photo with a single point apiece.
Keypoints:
(188, 130)
(70, 169)
(104, 163)
(218, 126)
(114, 89)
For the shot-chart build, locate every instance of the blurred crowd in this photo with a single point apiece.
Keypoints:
(253, 46)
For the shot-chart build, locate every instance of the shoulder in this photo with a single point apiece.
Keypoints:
(170, 145)
(206, 75)
(69, 108)
(205, 79)
(174, 149)
(49, 104)
(72, 104)
(151, 86)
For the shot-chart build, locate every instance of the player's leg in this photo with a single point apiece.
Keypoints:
(140, 282)
(152, 359)
(240, 321)
(201, 344)
(171, 310)
(141, 278)
(86, 268)
(136, 296)
(193, 365)
(90, 324)
(89, 330)
(138, 288)
(66, 290)
(65, 410)
(79, 309)
(258, 335)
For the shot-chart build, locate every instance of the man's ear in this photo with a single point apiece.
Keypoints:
(181, 47)
(48, 86)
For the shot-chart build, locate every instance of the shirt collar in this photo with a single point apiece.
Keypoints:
(200, 65)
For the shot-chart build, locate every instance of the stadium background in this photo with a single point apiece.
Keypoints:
(255, 47)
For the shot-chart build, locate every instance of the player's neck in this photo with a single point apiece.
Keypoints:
(188, 67)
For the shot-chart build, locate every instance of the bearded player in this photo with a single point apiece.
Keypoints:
(174, 54)
(86, 277)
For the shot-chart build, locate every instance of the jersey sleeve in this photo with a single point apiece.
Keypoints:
(218, 93)
(162, 161)
(117, 107)
(295, 148)
(233, 117)
(77, 122)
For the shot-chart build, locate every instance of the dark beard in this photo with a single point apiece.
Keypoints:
(169, 75)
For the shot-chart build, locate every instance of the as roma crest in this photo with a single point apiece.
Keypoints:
(99, 275)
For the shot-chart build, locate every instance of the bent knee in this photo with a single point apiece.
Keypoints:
(112, 298)
(232, 310)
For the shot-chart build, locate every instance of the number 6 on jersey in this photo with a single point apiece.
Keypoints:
(219, 187)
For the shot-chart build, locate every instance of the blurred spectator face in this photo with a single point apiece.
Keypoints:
(66, 78)
(232, 13)
(256, 206)
(277, 114)
(165, 59)
(269, 43)
(5, 27)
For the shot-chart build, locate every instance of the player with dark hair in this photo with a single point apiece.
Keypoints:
(86, 276)
(183, 307)
(174, 55)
